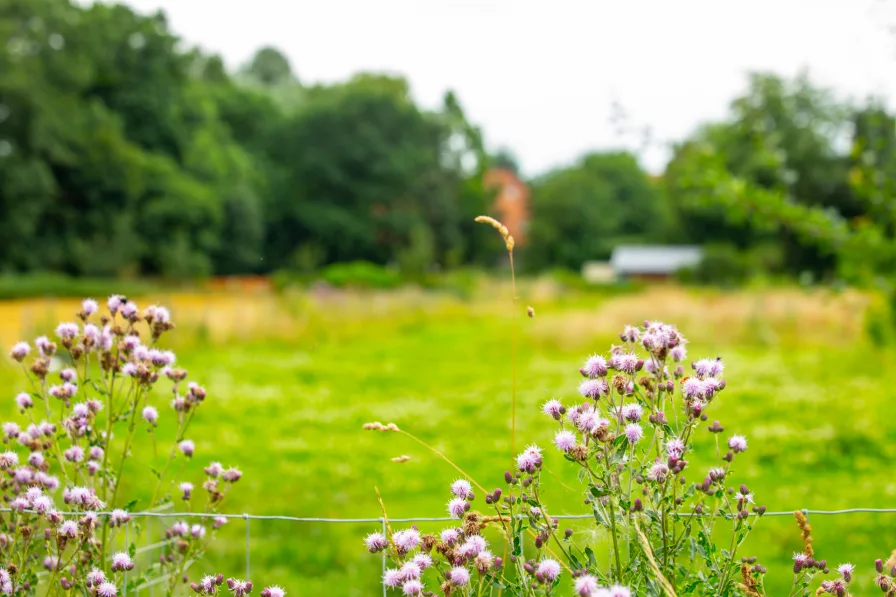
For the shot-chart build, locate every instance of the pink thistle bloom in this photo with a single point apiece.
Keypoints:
(89, 306)
(709, 367)
(737, 443)
(846, 571)
(80, 410)
(19, 351)
(678, 354)
(197, 531)
(473, 546)
(150, 415)
(392, 578)
(619, 591)
(94, 406)
(119, 517)
(91, 333)
(626, 362)
(68, 374)
(67, 330)
(158, 313)
(529, 460)
(553, 408)
(239, 588)
(457, 507)
(376, 542)
(214, 470)
(24, 401)
(406, 540)
(121, 561)
(273, 591)
(423, 561)
(658, 472)
(96, 453)
(129, 369)
(231, 475)
(22, 475)
(19, 504)
(105, 340)
(459, 576)
(130, 343)
(69, 528)
(586, 586)
(106, 589)
(64, 391)
(409, 571)
(187, 447)
(549, 569)
(219, 522)
(449, 536)
(74, 454)
(632, 412)
(128, 309)
(95, 577)
(461, 488)
(565, 440)
(33, 493)
(51, 562)
(595, 366)
(594, 388)
(484, 560)
(186, 487)
(48, 482)
(41, 504)
(179, 529)
(114, 303)
(633, 433)
(588, 420)
(630, 334)
(693, 388)
(411, 587)
(8, 459)
(675, 448)
(44, 346)
(11, 430)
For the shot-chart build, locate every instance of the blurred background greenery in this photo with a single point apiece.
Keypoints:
(316, 244)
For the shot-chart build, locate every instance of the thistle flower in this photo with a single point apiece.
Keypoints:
(423, 561)
(41, 504)
(8, 459)
(586, 586)
(44, 346)
(633, 433)
(675, 448)
(406, 540)
(95, 577)
(461, 488)
(553, 408)
(632, 412)
(11, 430)
(239, 588)
(459, 576)
(392, 578)
(68, 374)
(51, 563)
(376, 542)
(150, 415)
(409, 571)
(273, 591)
(88, 307)
(619, 591)
(474, 545)
(121, 561)
(197, 531)
(565, 440)
(483, 561)
(218, 522)
(106, 589)
(411, 587)
(449, 536)
(91, 335)
(23, 401)
(658, 472)
(630, 334)
(529, 460)
(846, 571)
(595, 366)
(678, 354)
(737, 443)
(457, 507)
(67, 330)
(708, 367)
(19, 351)
(231, 475)
(69, 528)
(186, 487)
(594, 388)
(187, 447)
(119, 517)
(692, 388)
(74, 454)
(626, 362)
(128, 309)
(549, 569)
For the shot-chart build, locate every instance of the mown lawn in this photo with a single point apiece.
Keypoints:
(292, 380)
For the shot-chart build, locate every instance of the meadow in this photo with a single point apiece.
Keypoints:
(292, 377)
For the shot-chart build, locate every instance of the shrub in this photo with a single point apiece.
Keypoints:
(360, 274)
(96, 387)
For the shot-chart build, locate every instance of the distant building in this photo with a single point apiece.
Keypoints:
(653, 261)
(511, 202)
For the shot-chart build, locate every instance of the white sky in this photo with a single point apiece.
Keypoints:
(541, 76)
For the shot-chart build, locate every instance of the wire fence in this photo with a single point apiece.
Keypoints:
(381, 521)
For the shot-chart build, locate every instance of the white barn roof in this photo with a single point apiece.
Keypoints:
(654, 259)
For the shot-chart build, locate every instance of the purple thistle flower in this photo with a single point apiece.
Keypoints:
(423, 561)
(273, 591)
(8, 459)
(150, 415)
(595, 366)
(187, 447)
(186, 487)
(68, 374)
(69, 528)
(67, 330)
(549, 569)
(74, 454)
(23, 401)
(633, 433)
(41, 504)
(19, 351)
(693, 388)
(594, 388)
(632, 412)
(80, 410)
(121, 561)
(553, 408)
(529, 460)
(619, 591)
(679, 353)
(737, 443)
(239, 588)
(411, 587)
(675, 448)
(128, 309)
(36, 459)
(409, 570)
(406, 540)
(114, 303)
(106, 589)
(846, 571)
(96, 453)
(11, 430)
(392, 578)
(586, 586)
(473, 546)
(91, 333)
(44, 346)
(449, 536)
(626, 362)
(218, 522)
(658, 472)
(630, 334)
(231, 475)
(119, 517)
(95, 577)
(197, 531)
(457, 507)
(459, 576)
(461, 488)
(709, 367)
(565, 440)
(51, 563)
(376, 542)
(89, 307)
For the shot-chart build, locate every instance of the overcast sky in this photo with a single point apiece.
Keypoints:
(541, 76)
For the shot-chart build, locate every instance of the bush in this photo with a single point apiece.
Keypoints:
(60, 285)
(360, 274)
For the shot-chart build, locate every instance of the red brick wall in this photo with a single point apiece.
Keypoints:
(511, 202)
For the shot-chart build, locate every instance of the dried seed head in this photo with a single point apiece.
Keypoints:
(402, 458)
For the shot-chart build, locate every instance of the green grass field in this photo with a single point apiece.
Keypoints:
(291, 381)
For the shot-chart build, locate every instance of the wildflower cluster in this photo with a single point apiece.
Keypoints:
(209, 585)
(90, 393)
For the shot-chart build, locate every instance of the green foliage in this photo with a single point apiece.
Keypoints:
(360, 274)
